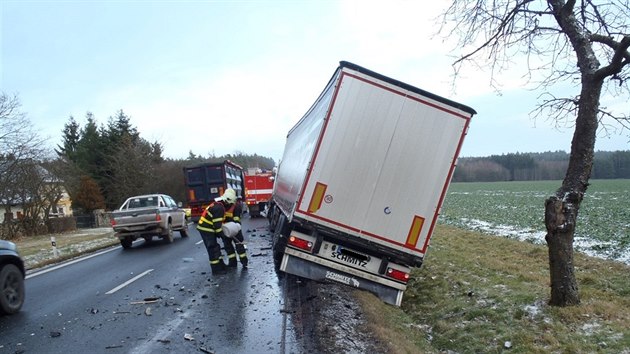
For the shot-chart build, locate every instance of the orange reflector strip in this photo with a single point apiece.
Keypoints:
(317, 197)
(191, 194)
(414, 232)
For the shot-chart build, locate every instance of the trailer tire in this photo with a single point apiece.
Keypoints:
(279, 242)
(273, 218)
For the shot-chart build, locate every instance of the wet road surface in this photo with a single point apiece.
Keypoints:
(162, 298)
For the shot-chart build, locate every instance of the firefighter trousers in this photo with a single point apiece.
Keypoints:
(214, 250)
(235, 248)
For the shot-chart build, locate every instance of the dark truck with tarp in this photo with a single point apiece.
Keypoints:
(207, 181)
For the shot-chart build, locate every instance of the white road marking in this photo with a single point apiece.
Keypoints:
(44, 271)
(128, 282)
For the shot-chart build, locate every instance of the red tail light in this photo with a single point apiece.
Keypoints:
(397, 274)
(300, 243)
(158, 217)
(113, 222)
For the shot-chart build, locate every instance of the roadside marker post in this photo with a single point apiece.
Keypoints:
(53, 242)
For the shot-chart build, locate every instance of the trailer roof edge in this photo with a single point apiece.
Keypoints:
(355, 67)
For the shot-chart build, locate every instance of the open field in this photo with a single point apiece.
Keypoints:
(516, 210)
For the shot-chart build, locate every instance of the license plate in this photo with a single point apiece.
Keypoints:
(349, 257)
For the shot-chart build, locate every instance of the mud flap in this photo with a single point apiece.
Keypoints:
(303, 268)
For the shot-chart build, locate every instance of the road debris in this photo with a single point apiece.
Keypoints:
(146, 300)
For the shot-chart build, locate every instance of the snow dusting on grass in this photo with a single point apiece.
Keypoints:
(515, 210)
(38, 251)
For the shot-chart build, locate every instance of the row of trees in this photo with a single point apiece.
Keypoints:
(98, 165)
(114, 162)
(538, 166)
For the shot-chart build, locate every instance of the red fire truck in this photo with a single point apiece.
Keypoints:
(258, 189)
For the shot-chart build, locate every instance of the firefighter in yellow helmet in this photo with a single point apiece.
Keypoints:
(209, 227)
(234, 245)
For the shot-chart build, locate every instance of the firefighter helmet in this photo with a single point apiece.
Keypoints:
(229, 196)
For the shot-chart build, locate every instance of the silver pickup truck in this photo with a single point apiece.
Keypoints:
(147, 216)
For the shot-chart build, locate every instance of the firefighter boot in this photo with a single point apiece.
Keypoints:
(218, 268)
(244, 262)
(232, 263)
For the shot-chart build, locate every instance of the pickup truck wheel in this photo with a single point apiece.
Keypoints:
(184, 232)
(126, 242)
(11, 289)
(169, 233)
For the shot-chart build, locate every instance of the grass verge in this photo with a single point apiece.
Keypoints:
(37, 251)
(485, 294)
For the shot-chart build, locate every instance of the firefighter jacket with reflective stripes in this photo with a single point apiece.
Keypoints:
(234, 213)
(212, 218)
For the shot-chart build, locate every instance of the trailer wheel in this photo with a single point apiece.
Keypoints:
(273, 218)
(279, 242)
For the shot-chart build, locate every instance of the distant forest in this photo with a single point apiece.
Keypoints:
(537, 166)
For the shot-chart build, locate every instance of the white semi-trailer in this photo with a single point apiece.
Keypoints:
(362, 180)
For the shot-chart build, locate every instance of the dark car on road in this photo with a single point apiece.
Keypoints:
(11, 278)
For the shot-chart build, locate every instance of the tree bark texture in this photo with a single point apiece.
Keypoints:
(561, 210)
(560, 218)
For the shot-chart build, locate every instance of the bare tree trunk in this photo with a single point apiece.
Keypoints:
(561, 210)
(560, 220)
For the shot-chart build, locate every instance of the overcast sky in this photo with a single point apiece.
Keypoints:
(234, 76)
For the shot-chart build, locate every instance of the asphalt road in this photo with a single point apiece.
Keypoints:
(162, 298)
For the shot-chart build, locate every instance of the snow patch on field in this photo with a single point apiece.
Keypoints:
(593, 248)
